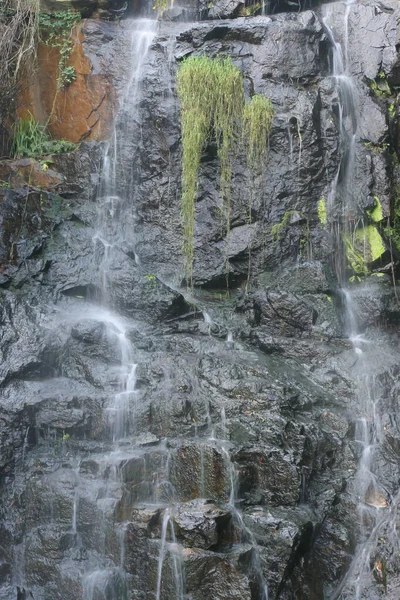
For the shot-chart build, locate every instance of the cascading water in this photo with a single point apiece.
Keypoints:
(191, 477)
(343, 205)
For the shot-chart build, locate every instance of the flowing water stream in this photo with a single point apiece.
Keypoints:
(376, 510)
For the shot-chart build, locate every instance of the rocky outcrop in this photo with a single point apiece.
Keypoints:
(240, 453)
(85, 108)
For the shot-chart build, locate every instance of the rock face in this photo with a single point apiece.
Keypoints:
(85, 108)
(161, 444)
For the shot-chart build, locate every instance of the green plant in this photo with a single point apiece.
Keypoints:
(212, 97)
(277, 229)
(151, 279)
(392, 110)
(67, 76)
(376, 214)
(251, 9)
(322, 215)
(18, 40)
(161, 6)
(31, 140)
(258, 115)
(380, 86)
(363, 247)
(305, 247)
(55, 30)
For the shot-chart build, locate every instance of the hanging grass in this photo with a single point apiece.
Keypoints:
(212, 98)
(258, 116)
(212, 103)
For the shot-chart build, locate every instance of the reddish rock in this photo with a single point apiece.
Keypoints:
(82, 110)
(29, 171)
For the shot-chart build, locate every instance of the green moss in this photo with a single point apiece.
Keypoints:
(251, 10)
(374, 239)
(277, 229)
(376, 214)
(380, 86)
(258, 115)
(376, 147)
(364, 247)
(355, 258)
(322, 216)
(392, 110)
(160, 6)
(305, 243)
(151, 279)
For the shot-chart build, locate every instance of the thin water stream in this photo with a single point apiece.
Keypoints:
(375, 508)
(112, 196)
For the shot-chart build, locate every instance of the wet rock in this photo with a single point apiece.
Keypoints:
(88, 331)
(200, 471)
(206, 570)
(271, 374)
(284, 537)
(200, 524)
(267, 476)
(225, 9)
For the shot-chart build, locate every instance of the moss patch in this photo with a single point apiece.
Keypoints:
(322, 216)
(376, 214)
(380, 86)
(363, 248)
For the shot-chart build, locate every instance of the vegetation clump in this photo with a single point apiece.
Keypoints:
(364, 247)
(31, 140)
(19, 25)
(376, 214)
(322, 215)
(161, 6)
(55, 30)
(211, 95)
(380, 86)
(289, 217)
(258, 115)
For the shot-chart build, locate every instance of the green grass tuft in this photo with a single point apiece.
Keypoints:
(32, 140)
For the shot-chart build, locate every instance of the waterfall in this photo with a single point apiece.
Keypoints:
(368, 491)
(208, 443)
(113, 199)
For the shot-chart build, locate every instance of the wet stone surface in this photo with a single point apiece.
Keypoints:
(235, 465)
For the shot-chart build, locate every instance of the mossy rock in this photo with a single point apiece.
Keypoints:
(364, 248)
